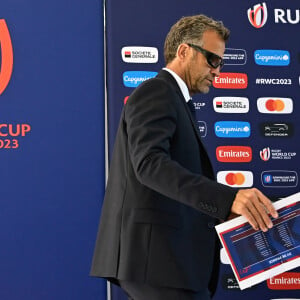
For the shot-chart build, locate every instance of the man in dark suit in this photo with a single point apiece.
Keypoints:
(156, 237)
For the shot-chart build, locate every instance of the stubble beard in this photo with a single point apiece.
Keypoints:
(202, 87)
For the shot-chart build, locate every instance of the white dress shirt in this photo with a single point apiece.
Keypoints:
(182, 85)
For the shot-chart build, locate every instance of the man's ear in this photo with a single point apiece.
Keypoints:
(183, 51)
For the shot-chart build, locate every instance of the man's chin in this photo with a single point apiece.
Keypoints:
(204, 90)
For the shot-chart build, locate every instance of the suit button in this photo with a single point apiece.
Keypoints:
(211, 225)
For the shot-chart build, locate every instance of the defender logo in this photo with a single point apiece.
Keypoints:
(258, 15)
(276, 129)
(229, 282)
(7, 56)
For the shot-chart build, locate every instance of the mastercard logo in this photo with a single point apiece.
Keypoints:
(6, 56)
(235, 178)
(275, 105)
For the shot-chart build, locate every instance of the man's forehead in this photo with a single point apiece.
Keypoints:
(212, 39)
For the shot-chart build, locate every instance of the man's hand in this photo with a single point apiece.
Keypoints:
(255, 207)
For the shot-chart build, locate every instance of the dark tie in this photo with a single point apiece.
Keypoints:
(192, 108)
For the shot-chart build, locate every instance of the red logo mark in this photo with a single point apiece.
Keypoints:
(285, 281)
(265, 154)
(231, 81)
(244, 270)
(234, 154)
(258, 15)
(127, 53)
(7, 56)
(275, 105)
(235, 178)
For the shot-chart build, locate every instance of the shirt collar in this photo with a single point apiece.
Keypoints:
(182, 85)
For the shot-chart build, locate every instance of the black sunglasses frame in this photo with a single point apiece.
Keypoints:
(209, 56)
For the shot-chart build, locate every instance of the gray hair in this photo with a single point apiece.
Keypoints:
(190, 29)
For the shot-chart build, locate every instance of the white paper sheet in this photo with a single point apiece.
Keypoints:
(256, 256)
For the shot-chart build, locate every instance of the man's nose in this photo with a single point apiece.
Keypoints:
(216, 71)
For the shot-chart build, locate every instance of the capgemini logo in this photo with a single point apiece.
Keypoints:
(265, 154)
(258, 15)
(6, 55)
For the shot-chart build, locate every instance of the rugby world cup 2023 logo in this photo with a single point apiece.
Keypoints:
(258, 15)
(6, 56)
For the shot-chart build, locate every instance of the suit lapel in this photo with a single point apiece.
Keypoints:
(204, 157)
(166, 75)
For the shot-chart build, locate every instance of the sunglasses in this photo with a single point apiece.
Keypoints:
(213, 59)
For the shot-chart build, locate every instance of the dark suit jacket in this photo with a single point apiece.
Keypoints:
(161, 201)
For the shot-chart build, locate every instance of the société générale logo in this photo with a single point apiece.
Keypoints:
(231, 105)
(258, 15)
(6, 55)
(139, 54)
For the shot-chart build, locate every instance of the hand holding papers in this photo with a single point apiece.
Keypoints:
(256, 255)
(255, 207)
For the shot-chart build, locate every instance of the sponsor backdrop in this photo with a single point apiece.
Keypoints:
(51, 148)
(249, 121)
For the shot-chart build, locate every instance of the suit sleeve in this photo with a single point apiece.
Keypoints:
(151, 120)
